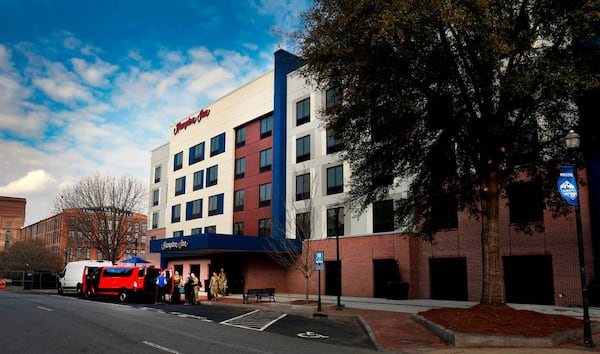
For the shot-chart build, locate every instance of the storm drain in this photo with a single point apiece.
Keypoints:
(255, 320)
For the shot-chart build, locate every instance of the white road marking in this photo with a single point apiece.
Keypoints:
(45, 308)
(165, 349)
(254, 320)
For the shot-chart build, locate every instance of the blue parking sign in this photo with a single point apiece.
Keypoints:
(319, 256)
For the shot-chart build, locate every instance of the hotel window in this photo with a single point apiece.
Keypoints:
(238, 228)
(303, 149)
(212, 175)
(178, 233)
(383, 216)
(303, 111)
(180, 186)
(264, 198)
(198, 180)
(178, 161)
(266, 127)
(155, 197)
(335, 221)
(176, 213)
(265, 160)
(264, 227)
(240, 167)
(240, 137)
(335, 180)
(193, 209)
(212, 229)
(215, 204)
(303, 186)
(156, 174)
(525, 202)
(217, 144)
(332, 98)
(196, 153)
(154, 220)
(332, 143)
(196, 231)
(303, 226)
(238, 200)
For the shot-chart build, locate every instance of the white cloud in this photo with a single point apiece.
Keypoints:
(93, 74)
(61, 90)
(33, 181)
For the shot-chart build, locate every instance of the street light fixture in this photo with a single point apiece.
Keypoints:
(572, 142)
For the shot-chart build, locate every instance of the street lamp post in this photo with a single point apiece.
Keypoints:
(572, 142)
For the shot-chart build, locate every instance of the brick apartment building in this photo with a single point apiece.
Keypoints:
(61, 236)
(12, 219)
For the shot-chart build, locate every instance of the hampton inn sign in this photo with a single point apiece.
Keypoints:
(191, 120)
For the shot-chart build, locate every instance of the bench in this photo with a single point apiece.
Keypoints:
(259, 294)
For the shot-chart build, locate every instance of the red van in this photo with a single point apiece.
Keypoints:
(123, 282)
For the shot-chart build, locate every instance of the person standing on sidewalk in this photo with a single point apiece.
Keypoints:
(161, 282)
(188, 288)
(214, 286)
(196, 283)
(222, 283)
(176, 295)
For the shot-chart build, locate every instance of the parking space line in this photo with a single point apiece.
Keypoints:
(254, 320)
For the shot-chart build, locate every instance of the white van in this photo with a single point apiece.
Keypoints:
(69, 280)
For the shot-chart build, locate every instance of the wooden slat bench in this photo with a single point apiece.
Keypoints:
(259, 294)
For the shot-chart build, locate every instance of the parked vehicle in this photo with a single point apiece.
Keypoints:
(69, 280)
(122, 282)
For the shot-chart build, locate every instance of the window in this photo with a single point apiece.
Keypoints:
(178, 161)
(178, 233)
(193, 209)
(217, 144)
(445, 211)
(215, 204)
(240, 137)
(265, 160)
(198, 180)
(303, 186)
(526, 202)
(303, 226)
(196, 153)
(240, 167)
(335, 221)
(303, 111)
(332, 143)
(155, 197)
(264, 227)
(212, 175)
(156, 174)
(335, 180)
(264, 198)
(176, 213)
(266, 127)
(180, 186)
(212, 229)
(238, 228)
(332, 98)
(154, 220)
(238, 200)
(303, 149)
(383, 216)
(196, 231)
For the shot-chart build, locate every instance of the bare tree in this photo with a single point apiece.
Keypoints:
(298, 227)
(30, 254)
(101, 207)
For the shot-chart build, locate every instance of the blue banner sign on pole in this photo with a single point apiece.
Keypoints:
(319, 256)
(567, 185)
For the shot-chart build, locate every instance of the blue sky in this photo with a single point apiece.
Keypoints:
(93, 86)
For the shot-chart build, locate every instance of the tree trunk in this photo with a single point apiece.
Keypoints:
(493, 290)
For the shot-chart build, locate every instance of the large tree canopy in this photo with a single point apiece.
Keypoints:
(102, 207)
(460, 98)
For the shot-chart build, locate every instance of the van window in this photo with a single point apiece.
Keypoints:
(118, 272)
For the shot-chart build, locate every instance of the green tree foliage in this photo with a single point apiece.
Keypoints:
(30, 254)
(460, 98)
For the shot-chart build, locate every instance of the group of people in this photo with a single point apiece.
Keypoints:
(218, 285)
(190, 287)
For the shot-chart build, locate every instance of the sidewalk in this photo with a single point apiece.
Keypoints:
(390, 325)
